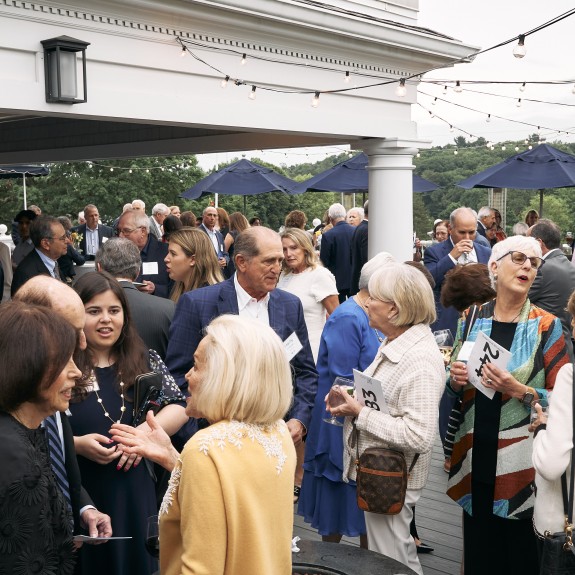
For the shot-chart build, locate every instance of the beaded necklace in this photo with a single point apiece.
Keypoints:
(92, 380)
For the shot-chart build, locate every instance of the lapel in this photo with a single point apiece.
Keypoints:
(277, 313)
(228, 299)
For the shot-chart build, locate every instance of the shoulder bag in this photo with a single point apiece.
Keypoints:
(558, 557)
(381, 478)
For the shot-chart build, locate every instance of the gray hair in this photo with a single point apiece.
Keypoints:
(161, 209)
(520, 229)
(336, 211)
(372, 265)
(512, 243)
(548, 232)
(359, 212)
(484, 212)
(41, 228)
(120, 258)
(140, 218)
(140, 202)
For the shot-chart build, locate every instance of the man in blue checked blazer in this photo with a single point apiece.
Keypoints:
(250, 292)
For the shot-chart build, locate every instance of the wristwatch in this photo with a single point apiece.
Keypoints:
(528, 397)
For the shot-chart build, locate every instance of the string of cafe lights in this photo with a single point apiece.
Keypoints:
(519, 51)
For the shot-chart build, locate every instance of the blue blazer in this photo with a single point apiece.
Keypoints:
(221, 252)
(358, 254)
(155, 251)
(196, 309)
(335, 253)
(438, 262)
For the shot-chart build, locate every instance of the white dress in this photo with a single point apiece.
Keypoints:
(312, 286)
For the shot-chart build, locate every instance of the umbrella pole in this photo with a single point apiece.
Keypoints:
(24, 186)
(245, 205)
(541, 203)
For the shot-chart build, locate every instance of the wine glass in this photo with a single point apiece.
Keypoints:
(152, 537)
(334, 398)
(444, 340)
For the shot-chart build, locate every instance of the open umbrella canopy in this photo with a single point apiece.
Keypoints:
(19, 171)
(242, 178)
(542, 167)
(352, 176)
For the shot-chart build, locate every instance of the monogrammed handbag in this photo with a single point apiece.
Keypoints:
(381, 478)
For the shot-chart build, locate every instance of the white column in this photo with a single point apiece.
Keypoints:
(391, 196)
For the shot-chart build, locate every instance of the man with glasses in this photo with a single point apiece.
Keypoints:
(555, 281)
(49, 239)
(93, 233)
(459, 248)
(134, 225)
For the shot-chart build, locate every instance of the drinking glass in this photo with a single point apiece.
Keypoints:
(444, 340)
(334, 399)
(152, 537)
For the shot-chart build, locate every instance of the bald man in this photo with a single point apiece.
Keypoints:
(51, 293)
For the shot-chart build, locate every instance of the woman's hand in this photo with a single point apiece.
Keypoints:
(91, 446)
(541, 418)
(147, 440)
(351, 407)
(501, 380)
(459, 375)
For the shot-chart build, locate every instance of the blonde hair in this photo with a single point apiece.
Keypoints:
(247, 373)
(207, 271)
(302, 240)
(408, 289)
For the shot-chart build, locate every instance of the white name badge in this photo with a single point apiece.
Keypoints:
(149, 268)
(485, 351)
(292, 346)
(368, 392)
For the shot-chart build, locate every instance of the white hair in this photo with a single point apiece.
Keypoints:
(371, 266)
(160, 209)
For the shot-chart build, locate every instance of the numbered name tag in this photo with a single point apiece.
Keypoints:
(368, 392)
(485, 351)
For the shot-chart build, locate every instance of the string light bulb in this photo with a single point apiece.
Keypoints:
(401, 90)
(252, 94)
(522, 87)
(434, 101)
(183, 52)
(519, 50)
(315, 100)
(488, 119)
(346, 77)
(518, 103)
(243, 61)
(458, 87)
(445, 90)
(450, 128)
(573, 89)
(224, 82)
(455, 152)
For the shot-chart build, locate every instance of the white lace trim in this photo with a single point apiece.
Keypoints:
(233, 432)
(172, 488)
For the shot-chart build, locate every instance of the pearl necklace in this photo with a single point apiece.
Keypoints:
(92, 380)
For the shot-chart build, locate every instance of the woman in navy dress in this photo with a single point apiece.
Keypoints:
(120, 484)
(347, 343)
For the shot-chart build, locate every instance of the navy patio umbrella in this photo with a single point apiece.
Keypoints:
(21, 172)
(542, 167)
(352, 176)
(242, 178)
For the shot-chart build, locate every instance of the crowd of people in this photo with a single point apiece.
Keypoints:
(244, 330)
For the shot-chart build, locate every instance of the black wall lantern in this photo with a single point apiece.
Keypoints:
(61, 70)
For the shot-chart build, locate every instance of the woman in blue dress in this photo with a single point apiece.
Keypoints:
(347, 343)
(119, 483)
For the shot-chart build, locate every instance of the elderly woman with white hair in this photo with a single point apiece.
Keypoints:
(410, 367)
(228, 508)
(355, 216)
(491, 470)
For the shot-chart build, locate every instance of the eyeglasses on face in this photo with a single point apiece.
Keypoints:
(61, 238)
(126, 231)
(519, 258)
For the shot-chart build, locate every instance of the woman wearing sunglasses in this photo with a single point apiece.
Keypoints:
(491, 470)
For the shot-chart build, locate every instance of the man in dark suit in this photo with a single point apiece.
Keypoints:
(459, 248)
(358, 251)
(485, 220)
(152, 315)
(46, 291)
(93, 233)
(555, 279)
(251, 292)
(335, 249)
(49, 239)
(208, 225)
(134, 225)
(159, 213)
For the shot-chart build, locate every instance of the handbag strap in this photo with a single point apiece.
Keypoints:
(469, 321)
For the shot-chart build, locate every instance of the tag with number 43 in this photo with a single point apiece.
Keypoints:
(368, 392)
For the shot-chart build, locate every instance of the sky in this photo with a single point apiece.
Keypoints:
(483, 24)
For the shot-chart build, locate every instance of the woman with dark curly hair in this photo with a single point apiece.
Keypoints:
(296, 219)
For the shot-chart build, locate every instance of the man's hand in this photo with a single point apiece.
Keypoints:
(296, 430)
(460, 248)
(148, 287)
(222, 262)
(97, 523)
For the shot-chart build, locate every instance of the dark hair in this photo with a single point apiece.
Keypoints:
(41, 228)
(33, 351)
(548, 232)
(254, 220)
(223, 218)
(120, 258)
(238, 222)
(171, 224)
(440, 223)
(296, 219)
(188, 219)
(466, 285)
(129, 352)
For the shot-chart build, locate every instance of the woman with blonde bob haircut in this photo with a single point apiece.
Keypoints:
(191, 261)
(228, 508)
(410, 367)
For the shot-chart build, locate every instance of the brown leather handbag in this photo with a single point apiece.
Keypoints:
(381, 478)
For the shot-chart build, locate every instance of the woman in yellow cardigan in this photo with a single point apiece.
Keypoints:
(228, 508)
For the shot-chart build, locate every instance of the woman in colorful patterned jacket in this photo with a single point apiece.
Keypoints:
(491, 471)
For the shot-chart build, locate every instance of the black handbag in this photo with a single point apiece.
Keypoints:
(381, 478)
(558, 556)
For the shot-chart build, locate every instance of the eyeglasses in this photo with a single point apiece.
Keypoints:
(519, 258)
(127, 231)
(61, 238)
